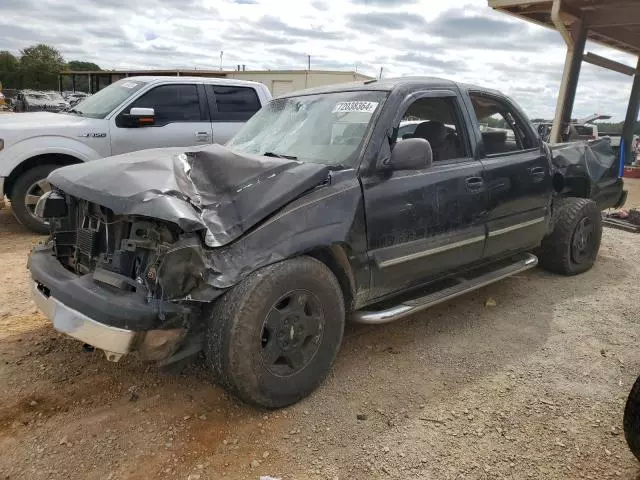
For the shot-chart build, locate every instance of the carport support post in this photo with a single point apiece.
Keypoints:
(73, 82)
(570, 77)
(632, 117)
(59, 82)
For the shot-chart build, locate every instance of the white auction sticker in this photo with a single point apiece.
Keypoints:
(364, 107)
(129, 85)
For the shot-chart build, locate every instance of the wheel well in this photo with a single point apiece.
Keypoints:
(46, 159)
(335, 259)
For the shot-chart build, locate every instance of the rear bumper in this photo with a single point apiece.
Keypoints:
(622, 200)
(115, 321)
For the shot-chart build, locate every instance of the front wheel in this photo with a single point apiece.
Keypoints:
(271, 340)
(26, 192)
(573, 245)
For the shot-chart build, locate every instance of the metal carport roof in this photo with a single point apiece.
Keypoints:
(614, 23)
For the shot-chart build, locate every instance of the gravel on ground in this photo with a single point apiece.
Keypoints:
(526, 378)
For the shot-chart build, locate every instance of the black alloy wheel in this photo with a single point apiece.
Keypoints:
(583, 242)
(292, 333)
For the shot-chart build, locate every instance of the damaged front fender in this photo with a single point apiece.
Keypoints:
(329, 216)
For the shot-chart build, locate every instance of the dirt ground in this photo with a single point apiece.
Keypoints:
(533, 387)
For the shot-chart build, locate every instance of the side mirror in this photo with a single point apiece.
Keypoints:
(137, 117)
(411, 154)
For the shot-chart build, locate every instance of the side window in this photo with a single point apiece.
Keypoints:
(172, 103)
(435, 119)
(232, 104)
(502, 130)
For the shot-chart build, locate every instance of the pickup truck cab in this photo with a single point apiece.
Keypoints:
(257, 252)
(132, 114)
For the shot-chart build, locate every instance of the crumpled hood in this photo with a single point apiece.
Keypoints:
(196, 188)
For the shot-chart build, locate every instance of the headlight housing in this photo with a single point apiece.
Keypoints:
(51, 204)
(180, 271)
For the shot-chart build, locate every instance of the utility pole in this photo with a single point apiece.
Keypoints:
(381, 69)
(221, 53)
(308, 62)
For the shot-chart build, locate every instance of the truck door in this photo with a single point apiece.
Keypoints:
(422, 224)
(230, 106)
(181, 120)
(517, 174)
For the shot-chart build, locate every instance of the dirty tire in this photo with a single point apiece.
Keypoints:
(19, 192)
(562, 251)
(632, 419)
(236, 326)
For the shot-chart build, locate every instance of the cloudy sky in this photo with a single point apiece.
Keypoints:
(456, 39)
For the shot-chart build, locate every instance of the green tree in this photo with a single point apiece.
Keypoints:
(40, 66)
(82, 83)
(82, 66)
(9, 70)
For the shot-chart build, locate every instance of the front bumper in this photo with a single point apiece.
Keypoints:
(112, 320)
(115, 342)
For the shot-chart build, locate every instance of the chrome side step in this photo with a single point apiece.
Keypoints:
(468, 283)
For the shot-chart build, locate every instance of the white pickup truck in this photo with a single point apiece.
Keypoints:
(135, 113)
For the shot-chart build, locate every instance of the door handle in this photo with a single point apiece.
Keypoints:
(538, 173)
(203, 136)
(474, 184)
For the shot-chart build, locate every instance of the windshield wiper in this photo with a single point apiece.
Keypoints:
(73, 110)
(279, 155)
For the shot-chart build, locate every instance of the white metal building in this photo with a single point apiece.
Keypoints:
(278, 81)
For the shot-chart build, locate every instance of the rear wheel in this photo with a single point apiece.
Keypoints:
(573, 245)
(272, 339)
(26, 192)
(632, 419)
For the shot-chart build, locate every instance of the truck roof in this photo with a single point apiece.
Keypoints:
(172, 79)
(389, 84)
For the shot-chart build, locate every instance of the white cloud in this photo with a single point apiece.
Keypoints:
(457, 39)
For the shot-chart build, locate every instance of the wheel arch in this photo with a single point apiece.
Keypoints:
(335, 258)
(60, 159)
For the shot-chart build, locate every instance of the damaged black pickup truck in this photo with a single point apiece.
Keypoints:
(316, 212)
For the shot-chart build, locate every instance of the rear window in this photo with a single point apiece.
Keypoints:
(231, 103)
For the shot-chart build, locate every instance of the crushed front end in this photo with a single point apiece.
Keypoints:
(120, 283)
(142, 243)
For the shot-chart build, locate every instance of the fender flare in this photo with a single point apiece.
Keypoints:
(14, 160)
(19, 152)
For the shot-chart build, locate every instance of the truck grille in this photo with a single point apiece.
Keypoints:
(88, 242)
(81, 238)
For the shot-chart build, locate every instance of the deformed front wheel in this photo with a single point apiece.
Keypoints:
(573, 245)
(271, 340)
